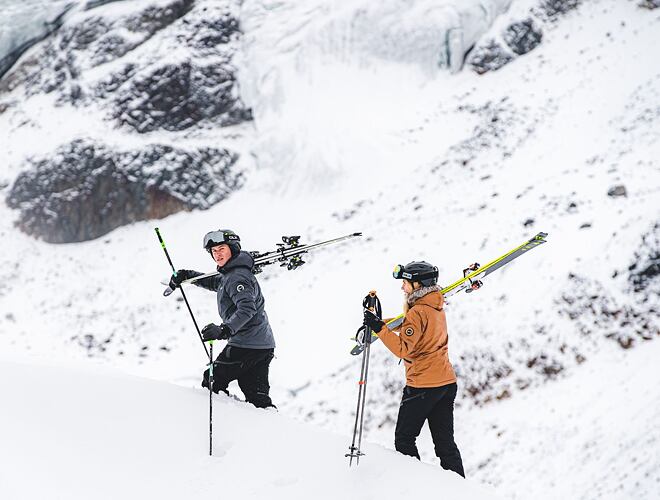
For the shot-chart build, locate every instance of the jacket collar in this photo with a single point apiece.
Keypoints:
(243, 259)
(426, 296)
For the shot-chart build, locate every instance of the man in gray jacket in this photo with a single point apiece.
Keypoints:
(250, 342)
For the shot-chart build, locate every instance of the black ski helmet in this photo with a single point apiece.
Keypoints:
(419, 271)
(226, 236)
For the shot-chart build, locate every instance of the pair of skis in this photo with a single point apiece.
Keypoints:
(287, 254)
(470, 281)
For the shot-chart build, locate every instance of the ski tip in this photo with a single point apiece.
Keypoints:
(357, 234)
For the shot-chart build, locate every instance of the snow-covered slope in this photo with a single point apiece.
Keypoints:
(450, 168)
(90, 433)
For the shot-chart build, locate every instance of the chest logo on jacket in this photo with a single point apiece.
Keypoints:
(240, 288)
(409, 332)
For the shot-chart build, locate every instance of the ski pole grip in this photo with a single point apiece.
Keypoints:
(370, 300)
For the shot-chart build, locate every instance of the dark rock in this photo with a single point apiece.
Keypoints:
(209, 33)
(522, 36)
(528, 222)
(155, 18)
(115, 80)
(176, 97)
(80, 36)
(552, 9)
(545, 365)
(86, 190)
(619, 190)
(106, 42)
(650, 4)
(646, 263)
(489, 57)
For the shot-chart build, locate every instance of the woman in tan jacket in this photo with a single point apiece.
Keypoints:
(430, 379)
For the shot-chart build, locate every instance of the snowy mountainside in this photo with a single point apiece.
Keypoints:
(96, 433)
(451, 168)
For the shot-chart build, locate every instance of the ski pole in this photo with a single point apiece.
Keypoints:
(185, 299)
(372, 304)
(211, 399)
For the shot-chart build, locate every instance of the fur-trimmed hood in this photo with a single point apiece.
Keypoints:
(415, 295)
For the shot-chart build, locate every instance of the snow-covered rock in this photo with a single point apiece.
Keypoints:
(132, 67)
(85, 190)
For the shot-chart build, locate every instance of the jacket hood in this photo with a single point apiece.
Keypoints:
(243, 259)
(426, 296)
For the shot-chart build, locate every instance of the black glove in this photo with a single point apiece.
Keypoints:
(372, 321)
(215, 332)
(181, 275)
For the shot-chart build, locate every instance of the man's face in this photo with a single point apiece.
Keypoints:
(221, 254)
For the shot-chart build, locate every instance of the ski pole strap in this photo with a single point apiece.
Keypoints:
(372, 303)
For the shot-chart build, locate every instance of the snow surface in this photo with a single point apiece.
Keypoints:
(451, 168)
(96, 433)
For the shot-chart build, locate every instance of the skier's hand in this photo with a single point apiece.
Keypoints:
(180, 276)
(372, 321)
(215, 332)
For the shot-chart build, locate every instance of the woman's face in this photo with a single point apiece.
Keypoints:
(407, 287)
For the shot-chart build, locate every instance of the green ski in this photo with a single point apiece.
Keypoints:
(471, 280)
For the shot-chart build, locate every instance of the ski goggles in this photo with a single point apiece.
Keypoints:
(219, 237)
(400, 273)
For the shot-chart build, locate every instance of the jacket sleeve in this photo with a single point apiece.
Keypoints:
(394, 329)
(403, 345)
(210, 283)
(242, 293)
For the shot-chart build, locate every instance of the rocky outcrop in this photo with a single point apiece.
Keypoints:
(644, 272)
(650, 4)
(142, 66)
(87, 189)
(552, 9)
(519, 37)
(156, 67)
(522, 36)
(176, 97)
(489, 57)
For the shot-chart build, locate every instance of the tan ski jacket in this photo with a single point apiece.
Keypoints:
(422, 341)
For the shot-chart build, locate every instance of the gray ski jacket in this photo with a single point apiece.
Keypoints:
(241, 304)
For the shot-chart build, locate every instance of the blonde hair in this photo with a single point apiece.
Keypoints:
(406, 305)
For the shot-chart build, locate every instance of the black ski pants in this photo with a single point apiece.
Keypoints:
(249, 367)
(435, 404)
